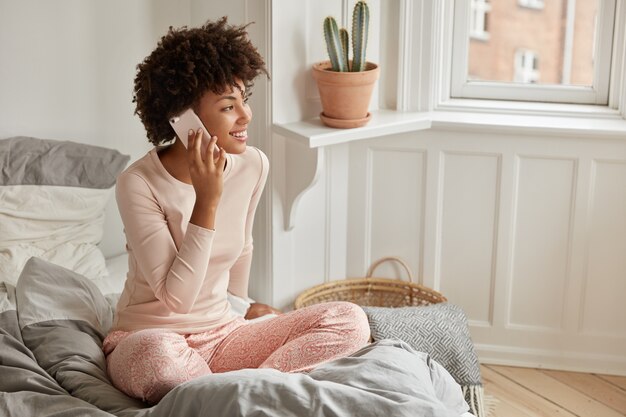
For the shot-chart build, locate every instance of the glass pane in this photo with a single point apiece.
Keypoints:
(532, 41)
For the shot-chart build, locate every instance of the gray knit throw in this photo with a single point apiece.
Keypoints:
(440, 330)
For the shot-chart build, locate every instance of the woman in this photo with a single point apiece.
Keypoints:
(188, 222)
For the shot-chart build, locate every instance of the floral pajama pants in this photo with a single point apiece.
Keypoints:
(147, 364)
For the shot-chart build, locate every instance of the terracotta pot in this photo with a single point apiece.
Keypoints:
(345, 95)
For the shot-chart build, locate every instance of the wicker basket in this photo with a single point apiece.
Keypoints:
(370, 291)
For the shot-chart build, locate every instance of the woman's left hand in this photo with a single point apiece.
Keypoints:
(258, 310)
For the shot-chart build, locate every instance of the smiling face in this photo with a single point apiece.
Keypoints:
(227, 116)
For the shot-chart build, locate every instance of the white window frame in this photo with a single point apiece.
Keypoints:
(532, 4)
(525, 73)
(461, 87)
(479, 10)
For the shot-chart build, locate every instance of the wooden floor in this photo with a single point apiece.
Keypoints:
(524, 392)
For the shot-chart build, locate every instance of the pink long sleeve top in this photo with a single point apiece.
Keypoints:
(179, 273)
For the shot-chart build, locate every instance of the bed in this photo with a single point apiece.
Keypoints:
(57, 297)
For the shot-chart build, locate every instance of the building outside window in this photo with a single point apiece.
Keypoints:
(556, 44)
(533, 4)
(526, 67)
(479, 28)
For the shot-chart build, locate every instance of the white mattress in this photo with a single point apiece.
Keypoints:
(117, 268)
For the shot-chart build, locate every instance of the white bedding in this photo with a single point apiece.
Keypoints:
(60, 224)
(117, 267)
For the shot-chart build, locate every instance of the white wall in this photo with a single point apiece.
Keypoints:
(67, 73)
(67, 69)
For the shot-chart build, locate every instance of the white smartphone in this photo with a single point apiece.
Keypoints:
(189, 120)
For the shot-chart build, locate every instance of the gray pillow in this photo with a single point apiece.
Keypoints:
(440, 330)
(32, 161)
(64, 318)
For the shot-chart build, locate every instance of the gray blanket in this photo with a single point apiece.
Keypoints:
(442, 331)
(51, 364)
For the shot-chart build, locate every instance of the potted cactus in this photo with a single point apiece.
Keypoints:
(345, 85)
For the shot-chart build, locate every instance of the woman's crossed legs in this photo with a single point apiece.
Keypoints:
(147, 364)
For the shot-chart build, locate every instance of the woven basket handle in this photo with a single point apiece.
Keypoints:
(370, 271)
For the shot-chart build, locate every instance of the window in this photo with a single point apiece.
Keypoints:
(533, 4)
(479, 19)
(559, 53)
(526, 67)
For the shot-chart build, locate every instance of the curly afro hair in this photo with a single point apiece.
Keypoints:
(187, 63)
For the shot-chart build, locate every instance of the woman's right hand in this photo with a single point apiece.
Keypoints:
(206, 177)
(259, 310)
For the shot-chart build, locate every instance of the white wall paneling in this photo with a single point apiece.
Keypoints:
(471, 196)
(541, 241)
(391, 201)
(525, 233)
(602, 305)
(337, 212)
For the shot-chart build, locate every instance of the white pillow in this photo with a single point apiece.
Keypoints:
(52, 200)
(62, 225)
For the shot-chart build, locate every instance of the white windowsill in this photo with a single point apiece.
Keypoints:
(383, 122)
(585, 121)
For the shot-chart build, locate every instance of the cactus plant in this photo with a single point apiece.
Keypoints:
(360, 24)
(337, 40)
(343, 35)
(346, 85)
(333, 45)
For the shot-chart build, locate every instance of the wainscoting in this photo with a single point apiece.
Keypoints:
(527, 234)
